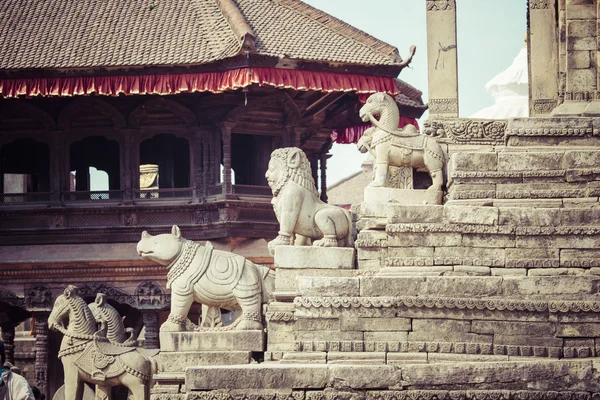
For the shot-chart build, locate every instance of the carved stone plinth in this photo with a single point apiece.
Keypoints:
(212, 341)
(402, 196)
(314, 257)
(178, 361)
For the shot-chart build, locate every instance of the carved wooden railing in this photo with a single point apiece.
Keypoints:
(157, 194)
(215, 190)
(92, 195)
(20, 198)
(253, 190)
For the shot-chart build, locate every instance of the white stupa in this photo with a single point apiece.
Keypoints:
(509, 90)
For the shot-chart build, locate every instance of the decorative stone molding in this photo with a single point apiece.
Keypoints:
(443, 106)
(234, 395)
(461, 130)
(371, 243)
(448, 303)
(544, 106)
(518, 174)
(150, 293)
(408, 261)
(472, 194)
(39, 296)
(551, 132)
(539, 4)
(90, 289)
(477, 395)
(394, 229)
(440, 5)
(280, 316)
(532, 263)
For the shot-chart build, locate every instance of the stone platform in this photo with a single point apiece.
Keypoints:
(212, 341)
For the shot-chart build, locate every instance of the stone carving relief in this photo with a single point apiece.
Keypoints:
(39, 296)
(216, 278)
(92, 288)
(302, 216)
(441, 5)
(467, 130)
(397, 147)
(149, 293)
(88, 356)
(443, 106)
(539, 4)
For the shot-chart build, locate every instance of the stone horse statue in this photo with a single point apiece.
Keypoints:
(88, 356)
(116, 332)
(397, 147)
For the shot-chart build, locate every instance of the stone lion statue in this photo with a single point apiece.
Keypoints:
(212, 277)
(300, 212)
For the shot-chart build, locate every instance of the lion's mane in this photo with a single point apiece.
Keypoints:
(299, 172)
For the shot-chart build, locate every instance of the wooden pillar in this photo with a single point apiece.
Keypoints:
(196, 165)
(324, 158)
(58, 159)
(150, 319)
(8, 337)
(226, 137)
(442, 58)
(542, 49)
(41, 351)
(127, 172)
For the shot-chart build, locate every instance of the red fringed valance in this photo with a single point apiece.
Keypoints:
(214, 82)
(354, 133)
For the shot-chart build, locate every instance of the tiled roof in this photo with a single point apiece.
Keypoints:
(68, 34)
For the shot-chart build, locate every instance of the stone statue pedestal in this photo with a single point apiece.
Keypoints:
(301, 257)
(402, 196)
(213, 341)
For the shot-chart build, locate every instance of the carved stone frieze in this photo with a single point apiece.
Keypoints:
(408, 261)
(472, 194)
(281, 316)
(515, 174)
(443, 106)
(441, 5)
(150, 293)
(467, 130)
(245, 395)
(448, 303)
(39, 296)
(477, 395)
(11, 298)
(90, 289)
(551, 132)
(371, 243)
(539, 4)
(544, 106)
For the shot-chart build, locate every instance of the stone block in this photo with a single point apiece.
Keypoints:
(469, 270)
(471, 215)
(406, 358)
(527, 340)
(371, 253)
(451, 358)
(424, 239)
(257, 376)
(328, 335)
(402, 196)
(586, 202)
(212, 341)
(374, 210)
(515, 372)
(527, 161)
(582, 79)
(414, 213)
(581, 11)
(314, 257)
(415, 271)
(468, 191)
(375, 324)
(577, 241)
(528, 203)
(410, 252)
(442, 336)
(386, 336)
(580, 216)
(555, 271)
(575, 286)
(527, 216)
(364, 358)
(474, 161)
(578, 330)
(477, 256)
(370, 235)
(532, 258)
(579, 59)
(581, 28)
(440, 325)
(508, 271)
(287, 279)
(584, 258)
(178, 361)
(328, 286)
(513, 328)
(317, 324)
(485, 240)
(581, 159)
(313, 357)
(364, 376)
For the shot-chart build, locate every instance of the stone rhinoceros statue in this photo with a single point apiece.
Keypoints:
(211, 277)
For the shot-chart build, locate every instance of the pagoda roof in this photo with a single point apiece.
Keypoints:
(117, 34)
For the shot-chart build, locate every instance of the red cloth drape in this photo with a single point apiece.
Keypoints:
(214, 82)
(353, 133)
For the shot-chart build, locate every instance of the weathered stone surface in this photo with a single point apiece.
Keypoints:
(451, 358)
(550, 286)
(313, 357)
(469, 270)
(375, 324)
(376, 210)
(364, 358)
(365, 377)
(178, 361)
(532, 258)
(556, 271)
(386, 336)
(257, 376)
(410, 252)
(424, 239)
(415, 271)
(432, 375)
(438, 325)
(527, 340)
(580, 216)
(371, 235)
(525, 161)
(584, 258)
(578, 330)
(212, 341)
(314, 257)
(471, 215)
(328, 286)
(579, 159)
(508, 271)
(581, 28)
(521, 216)
(414, 214)
(402, 196)
(443, 336)
(328, 335)
(286, 279)
(371, 253)
(406, 358)
(485, 240)
(579, 59)
(478, 256)
(317, 324)
(513, 328)
(474, 161)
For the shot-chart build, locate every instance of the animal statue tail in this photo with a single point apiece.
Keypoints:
(350, 237)
(268, 281)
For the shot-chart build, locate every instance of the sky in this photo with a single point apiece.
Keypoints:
(490, 34)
